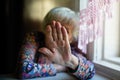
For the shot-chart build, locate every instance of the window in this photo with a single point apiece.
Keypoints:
(106, 49)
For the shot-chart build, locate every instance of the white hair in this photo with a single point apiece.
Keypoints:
(65, 16)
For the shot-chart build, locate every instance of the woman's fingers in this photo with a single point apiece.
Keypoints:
(46, 52)
(49, 36)
(59, 33)
(54, 31)
(65, 35)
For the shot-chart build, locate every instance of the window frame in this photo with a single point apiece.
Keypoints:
(103, 65)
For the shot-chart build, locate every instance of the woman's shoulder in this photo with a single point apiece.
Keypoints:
(34, 33)
(36, 36)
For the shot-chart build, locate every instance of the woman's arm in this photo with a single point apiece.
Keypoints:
(27, 67)
(85, 69)
(59, 51)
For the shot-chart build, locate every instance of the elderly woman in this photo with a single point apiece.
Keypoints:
(54, 49)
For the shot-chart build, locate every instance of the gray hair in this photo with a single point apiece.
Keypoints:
(65, 16)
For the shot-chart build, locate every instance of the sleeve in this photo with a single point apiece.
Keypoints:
(27, 67)
(85, 70)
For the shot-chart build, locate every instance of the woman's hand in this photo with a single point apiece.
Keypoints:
(60, 68)
(58, 47)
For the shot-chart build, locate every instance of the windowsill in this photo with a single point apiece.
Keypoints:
(114, 60)
(108, 64)
(107, 69)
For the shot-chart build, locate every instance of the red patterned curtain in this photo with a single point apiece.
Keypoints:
(91, 21)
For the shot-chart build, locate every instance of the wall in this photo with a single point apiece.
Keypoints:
(35, 10)
(12, 32)
(83, 4)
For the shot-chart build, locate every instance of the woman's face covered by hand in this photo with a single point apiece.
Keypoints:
(57, 43)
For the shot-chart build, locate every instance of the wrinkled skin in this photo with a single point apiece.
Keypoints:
(57, 45)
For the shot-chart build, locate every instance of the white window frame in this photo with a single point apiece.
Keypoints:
(103, 65)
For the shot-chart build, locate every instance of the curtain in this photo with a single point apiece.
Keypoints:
(92, 21)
